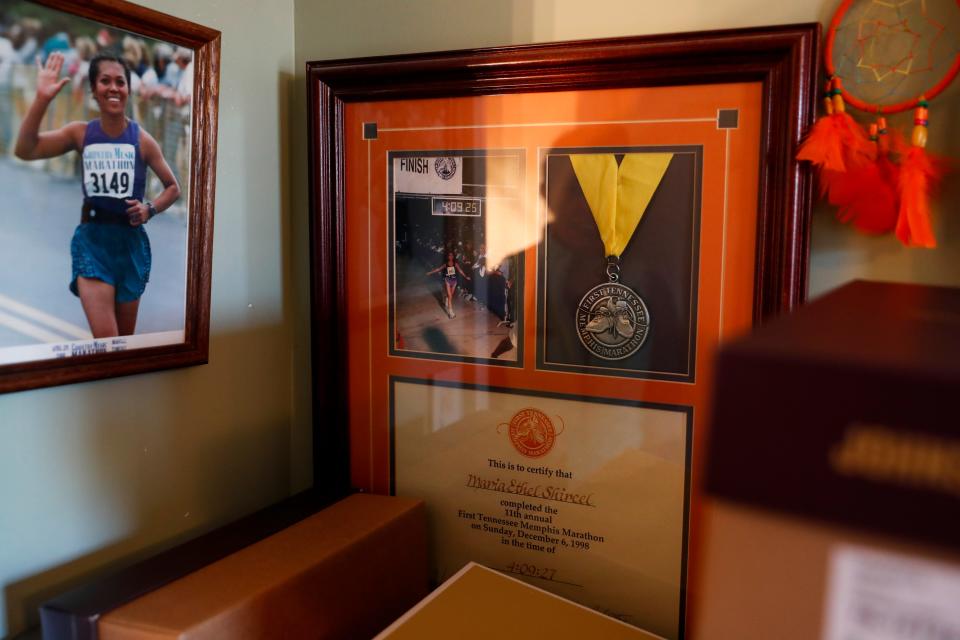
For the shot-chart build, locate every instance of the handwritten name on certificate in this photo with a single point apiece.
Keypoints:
(582, 497)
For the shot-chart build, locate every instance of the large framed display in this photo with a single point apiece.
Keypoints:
(108, 139)
(523, 260)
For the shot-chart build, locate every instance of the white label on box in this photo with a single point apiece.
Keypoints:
(877, 595)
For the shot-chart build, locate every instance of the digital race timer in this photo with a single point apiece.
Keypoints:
(457, 206)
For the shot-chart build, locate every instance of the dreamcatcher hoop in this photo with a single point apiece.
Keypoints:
(881, 184)
(926, 95)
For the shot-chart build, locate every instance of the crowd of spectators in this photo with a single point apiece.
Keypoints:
(491, 286)
(160, 93)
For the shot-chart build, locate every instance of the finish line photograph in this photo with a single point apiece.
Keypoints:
(452, 297)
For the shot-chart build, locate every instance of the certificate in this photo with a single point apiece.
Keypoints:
(582, 498)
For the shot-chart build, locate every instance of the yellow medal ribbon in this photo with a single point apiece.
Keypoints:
(618, 196)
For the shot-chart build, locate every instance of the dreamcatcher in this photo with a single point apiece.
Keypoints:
(884, 57)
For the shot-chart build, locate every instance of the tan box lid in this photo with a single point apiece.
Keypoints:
(346, 571)
(479, 604)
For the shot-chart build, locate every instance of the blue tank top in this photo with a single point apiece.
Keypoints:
(113, 168)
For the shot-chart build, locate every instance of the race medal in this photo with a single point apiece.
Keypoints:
(612, 321)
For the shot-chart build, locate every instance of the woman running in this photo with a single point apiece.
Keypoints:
(110, 250)
(449, 269)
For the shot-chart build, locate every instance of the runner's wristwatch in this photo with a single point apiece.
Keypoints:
(151, 210)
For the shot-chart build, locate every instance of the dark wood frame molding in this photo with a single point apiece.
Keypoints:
(205, 43)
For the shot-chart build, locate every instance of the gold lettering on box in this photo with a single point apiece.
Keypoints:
(883, 454)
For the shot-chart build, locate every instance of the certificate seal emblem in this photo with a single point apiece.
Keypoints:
(612, 321)
(445, 167)
(532, 433)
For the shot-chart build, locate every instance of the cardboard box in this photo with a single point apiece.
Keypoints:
(344, 572)
(75, 613)
(479, 604)
(834, 470)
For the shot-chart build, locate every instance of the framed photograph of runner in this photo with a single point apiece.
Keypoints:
(545, 245)
(108, 129)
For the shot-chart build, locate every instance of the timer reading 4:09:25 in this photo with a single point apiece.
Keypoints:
(457, 206)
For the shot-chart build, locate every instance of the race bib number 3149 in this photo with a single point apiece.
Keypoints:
(108, 169)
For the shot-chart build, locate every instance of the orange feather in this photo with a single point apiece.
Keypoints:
(836, 145)
(866, 197)
(919, 175)
(823, 145)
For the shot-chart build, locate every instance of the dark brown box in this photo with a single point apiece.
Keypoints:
(833, 428)
(844, 411)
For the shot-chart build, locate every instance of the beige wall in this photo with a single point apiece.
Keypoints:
(93, 472)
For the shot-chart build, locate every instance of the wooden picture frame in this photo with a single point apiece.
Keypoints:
(60, 346)
(732, 105)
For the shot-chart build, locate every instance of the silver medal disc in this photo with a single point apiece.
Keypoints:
(612, 321)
